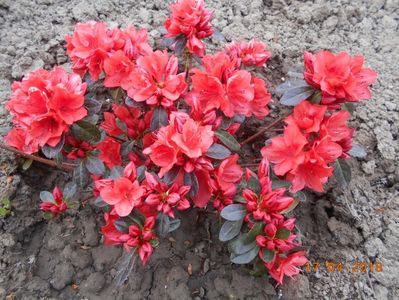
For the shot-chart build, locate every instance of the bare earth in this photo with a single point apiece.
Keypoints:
(65, 259)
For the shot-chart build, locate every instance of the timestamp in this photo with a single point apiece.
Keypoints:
(334, 266)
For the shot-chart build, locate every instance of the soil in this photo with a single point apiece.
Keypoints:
(65, 258)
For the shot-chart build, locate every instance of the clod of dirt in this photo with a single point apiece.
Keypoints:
(62, 276)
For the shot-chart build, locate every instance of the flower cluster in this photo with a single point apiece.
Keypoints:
(167, 142)
(44, 104)
(312, 141)
(340, 77)
(190, 21)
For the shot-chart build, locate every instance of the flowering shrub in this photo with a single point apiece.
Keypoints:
(168, 140)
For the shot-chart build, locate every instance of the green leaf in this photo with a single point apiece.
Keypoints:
(141, 173)
(94, 165)
(117, 94)
(46, 196)
(218, 151)
(171, 175)
(255, 231)
(174, 224)
(291, 207)
(234, 212)
(348, 106)
(70, 190)
(116, 172)
(92, 105)
(159, 118)
(127, 147)
(227, 139)
(47, 215)
(267, 255)
(246, 257)
(99, 202)
(240, 199)
(121, 225)
(86, 131)
(280, 183)
(80, 174)
(162, 224)
(191, 180)
(51, 152)
(240, 244)
(254, 184)
(342, 172)
(283, 233)
(259, 268)
(294, 92)
(27, 164)
(229, 230)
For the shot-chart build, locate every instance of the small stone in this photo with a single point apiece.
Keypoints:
(374, 247)
(368, 167)
(94, 283)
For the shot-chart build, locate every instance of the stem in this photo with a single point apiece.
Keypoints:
(263, 130)
(49, 162)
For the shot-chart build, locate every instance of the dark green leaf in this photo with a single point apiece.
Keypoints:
(46, 196)
(92, 105)
(229, 230)
(227, 139)
(141, 173)
(358, 151)
(94, 165)
(137, 217)
(234, 212)
(254, 184)
(348, 106)
(171, 175)
(259, 268)
(117, 94)
(240, 199)
(342, 172)
(51, 152)
(294, 91)
(162, 224)
(280, 183)
(291, 208)
(217, 151)
(27, 164)
(283, 233)
(159, 118)
(240, 245)
(80, 174)
(47, 215)
(316, 97)
(267, 255)
(86, 131)
(180, 44)
(255, 231)
(116, 172)
(99, 202)
(168, 42)
(127, 147)
(129, 102)
(121, 225)
(191, 180)
(246, 257)
(174, 224)
(70, 190)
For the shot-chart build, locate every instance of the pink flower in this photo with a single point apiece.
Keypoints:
(229, 172)
(88, 48)
(125, 193)
(117, 68)
(44, 104)
(248, 54)
(340, 77)
(155, 80)
(191, 19)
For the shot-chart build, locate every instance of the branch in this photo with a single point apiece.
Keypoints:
(264, 129)
(63, 166)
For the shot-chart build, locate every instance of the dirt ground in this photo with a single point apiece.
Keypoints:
(65, 259)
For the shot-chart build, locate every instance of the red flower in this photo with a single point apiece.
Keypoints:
(308, 116)
(272, 242)
(229, 172)
(165, 198)
(123, 193)
(110, 232)
(140, 239)
(183, 141)
(340, 77)
(190, 18)
(110, 152)
(248, 54)
(57, 206)
(44, 104)
(117, 68)
(155, 80)
(222, 85)
(222, 197)
(133, 43)
(286, 152)
(88, 47)
(286, 266)
(76, 149)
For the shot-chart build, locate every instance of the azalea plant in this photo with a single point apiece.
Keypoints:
(161, 138)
